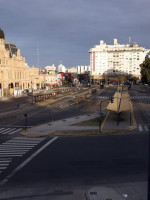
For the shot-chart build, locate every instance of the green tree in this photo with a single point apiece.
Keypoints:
(145, 71)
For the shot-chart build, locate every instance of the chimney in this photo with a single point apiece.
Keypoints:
(115, 41)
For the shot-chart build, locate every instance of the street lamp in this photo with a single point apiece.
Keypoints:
(25, 115)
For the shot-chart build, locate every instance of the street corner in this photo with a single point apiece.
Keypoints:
(101, 193)
(131, 128)
(25, 133)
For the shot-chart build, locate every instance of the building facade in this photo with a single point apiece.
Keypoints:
(116, 59)
(50, 69)
(15, 74)
(62, 68)
(83, 69)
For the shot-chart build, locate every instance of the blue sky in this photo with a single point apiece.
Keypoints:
(66, 30)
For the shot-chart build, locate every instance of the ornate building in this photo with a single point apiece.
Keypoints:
(15, 74)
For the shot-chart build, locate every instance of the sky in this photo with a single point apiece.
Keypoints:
(53, 31)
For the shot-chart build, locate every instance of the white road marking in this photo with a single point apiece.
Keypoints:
(13, 151)
(26, 161)
(140, 128)
(16, 147)
(12, 144)
(19, 129)
(29, 139)
(8, 131)
(3, 168)
(20, 142)
(4, 164)
(145, 127)
(12, 155)
(5, 130)
(4, 161)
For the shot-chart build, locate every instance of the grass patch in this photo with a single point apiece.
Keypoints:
(91, 122)
(74, 133)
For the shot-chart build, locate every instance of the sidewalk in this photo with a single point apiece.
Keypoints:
(67, 127)
(128, 191)
(49, 129)
(122, 191)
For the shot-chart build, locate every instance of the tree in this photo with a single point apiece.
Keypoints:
(145, 71)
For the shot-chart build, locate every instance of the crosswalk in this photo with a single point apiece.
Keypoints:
(139, 97)
(10, 131)
(131, 97)
(143, 127)
(16, 147)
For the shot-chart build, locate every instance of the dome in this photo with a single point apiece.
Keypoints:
(2, 35)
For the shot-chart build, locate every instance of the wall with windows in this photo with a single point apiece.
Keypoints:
(116, 58)
(15, 74)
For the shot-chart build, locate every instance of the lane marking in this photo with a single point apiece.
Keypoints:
(4, 161)
(14, 147)
(12, 144)
(29, 139)
(145, 127)
(3, 167)
(4, 164)
(26, 161)
(140, 128)
(13, 155)
(19, 129)
(13, 151)
(22, 142)
(5, 130)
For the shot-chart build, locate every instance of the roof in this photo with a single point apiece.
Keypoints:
(12, 48)
(2, 35)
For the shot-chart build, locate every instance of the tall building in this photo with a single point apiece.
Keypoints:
(82, 69)
(62, 68)
(116, 59)
(15, 74)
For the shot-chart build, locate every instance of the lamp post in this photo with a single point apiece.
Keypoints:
(25, 115)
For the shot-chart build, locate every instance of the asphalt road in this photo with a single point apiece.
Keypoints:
(79, 162)
(59, 108)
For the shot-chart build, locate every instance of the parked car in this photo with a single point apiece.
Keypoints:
(30, 93)
(25, 91)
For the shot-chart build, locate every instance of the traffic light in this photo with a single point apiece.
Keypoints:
(25, 115)
(112, 99)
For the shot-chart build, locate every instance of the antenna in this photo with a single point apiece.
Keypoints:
(129, 40)
(38, 60)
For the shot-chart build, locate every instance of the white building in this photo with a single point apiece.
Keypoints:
(72, 70)
(50, 69)
(82, 69)
(116, 58)
(62, 68)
